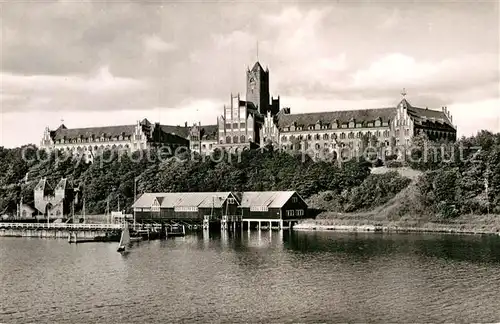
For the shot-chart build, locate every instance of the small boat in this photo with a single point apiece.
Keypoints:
(124, 240)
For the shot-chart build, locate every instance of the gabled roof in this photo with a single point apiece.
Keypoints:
(209, 132)
(271, 199)
(108, 131)
(183, 199)
(342, 116)
(177, 130)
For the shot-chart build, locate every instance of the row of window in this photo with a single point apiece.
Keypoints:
(335, 125)
(235, 125)
(318, 146)
(97, 139)
(291, 212)
(259, 208)
(235, 139)
(406, 132)
(95, 148)
(185, 209)
(350, 135)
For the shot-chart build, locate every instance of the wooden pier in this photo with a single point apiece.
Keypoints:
(77, 232)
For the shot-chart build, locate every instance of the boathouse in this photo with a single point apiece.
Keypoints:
(271, 207)
(185, 206)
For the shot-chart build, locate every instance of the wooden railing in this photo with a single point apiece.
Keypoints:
(61, 226)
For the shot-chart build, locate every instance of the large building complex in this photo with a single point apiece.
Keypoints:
(259, 120)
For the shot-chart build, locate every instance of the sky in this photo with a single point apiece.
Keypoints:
(96, 63)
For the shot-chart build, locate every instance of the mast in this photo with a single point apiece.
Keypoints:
(135, 198)
(83, 209)
(107, 209)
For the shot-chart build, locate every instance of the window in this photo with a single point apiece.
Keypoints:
(299, 212)
(342, 136)
(316, 137)
(185, 209)
(228, 139)
(231, 201)
(156, 206)
(235, 139)
(259, 208)
(351, 135)
(290, 213)
(325, 136)
(309, 137)
(242, 139)
(283, 138)
(295, 199)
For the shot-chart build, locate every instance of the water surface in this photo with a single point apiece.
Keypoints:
(252, 277)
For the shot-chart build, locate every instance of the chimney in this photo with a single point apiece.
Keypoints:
(442, 108)
(186, 124)
(199, 123)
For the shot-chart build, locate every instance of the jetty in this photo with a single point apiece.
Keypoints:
(77, 232)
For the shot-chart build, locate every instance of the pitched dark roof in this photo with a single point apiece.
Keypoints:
(177, 130)
(342, 116)
(209, 132)
(108, 131)
(428, 117)
(257, 67)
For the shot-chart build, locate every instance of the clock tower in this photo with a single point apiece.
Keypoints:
(258, 88)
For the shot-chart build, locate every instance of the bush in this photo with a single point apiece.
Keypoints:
(393, 164)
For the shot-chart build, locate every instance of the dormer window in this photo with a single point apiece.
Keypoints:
(377, 123)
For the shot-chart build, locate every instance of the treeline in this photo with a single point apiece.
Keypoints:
(111, 176)
(459, 178)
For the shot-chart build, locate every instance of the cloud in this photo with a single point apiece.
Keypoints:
(73, 92)
(108, 57)
(391, 21)
(154, 43)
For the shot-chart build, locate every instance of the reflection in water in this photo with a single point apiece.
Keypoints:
(257, 276)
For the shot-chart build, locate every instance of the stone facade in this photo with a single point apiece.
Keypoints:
(89, 142)
(259, 120)
(53, 203)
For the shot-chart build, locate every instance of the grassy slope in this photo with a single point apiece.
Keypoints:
(404, 210)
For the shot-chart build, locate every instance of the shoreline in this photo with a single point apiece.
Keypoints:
(313, 226)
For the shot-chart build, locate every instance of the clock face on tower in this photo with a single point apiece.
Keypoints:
(252, 83)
